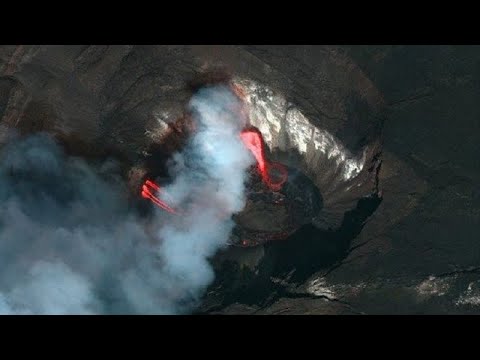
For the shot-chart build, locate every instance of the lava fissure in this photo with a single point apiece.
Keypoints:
(253, 141)
(147, 194)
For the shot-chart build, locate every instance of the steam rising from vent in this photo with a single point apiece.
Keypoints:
(209, 177)
(69, 243)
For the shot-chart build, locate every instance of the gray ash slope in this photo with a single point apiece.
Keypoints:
(413, 250)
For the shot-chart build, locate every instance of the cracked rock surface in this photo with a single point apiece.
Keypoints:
(418, 253)
(389, 135)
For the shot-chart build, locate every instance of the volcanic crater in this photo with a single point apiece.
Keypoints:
(129, 103)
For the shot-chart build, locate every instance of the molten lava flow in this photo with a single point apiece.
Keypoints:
(152, 185)
(147, 194)
(273, 174)
(253, 140)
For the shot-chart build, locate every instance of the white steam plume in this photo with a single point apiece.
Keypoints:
(69, 243)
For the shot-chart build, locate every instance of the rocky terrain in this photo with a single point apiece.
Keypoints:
(387, 134)
(418, 252)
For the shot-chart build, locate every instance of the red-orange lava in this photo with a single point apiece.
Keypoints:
(273, 174)
(253, 140)
(147, 194)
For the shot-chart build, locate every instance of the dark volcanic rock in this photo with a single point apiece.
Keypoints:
(322, 109)
(418, 253)
(316, 110)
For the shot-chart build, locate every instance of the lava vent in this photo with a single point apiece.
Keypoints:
(303, 174)
(325, 179)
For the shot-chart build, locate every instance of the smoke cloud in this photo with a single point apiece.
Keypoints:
(71, 244)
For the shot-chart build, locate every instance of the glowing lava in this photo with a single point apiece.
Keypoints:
(147, 194)
(273, 174)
